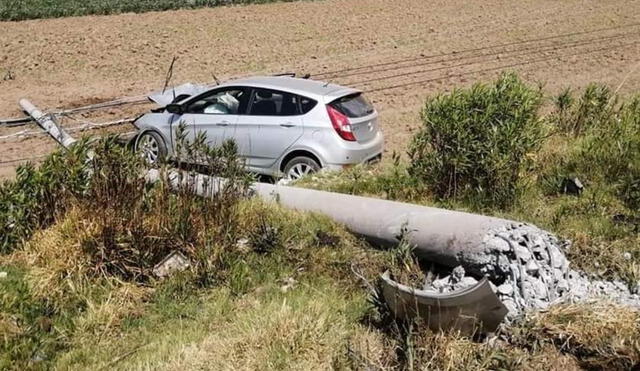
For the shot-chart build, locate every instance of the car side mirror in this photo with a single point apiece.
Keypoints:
(175, 109)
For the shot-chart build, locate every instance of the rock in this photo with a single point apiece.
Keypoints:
(505, 289)
(557, 258)
(3, 275)
(172, 263)
(532, 268)
(500, 244)
(562, 286)
(523, 254)
(467, 282)
(440, 284)
(626, 256)
(572, 186)
(511, 306)
(289, 284)
(558, 275)
(457, 274)
(540, 288)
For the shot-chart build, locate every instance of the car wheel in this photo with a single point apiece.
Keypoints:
(151, 147)
(299, 167)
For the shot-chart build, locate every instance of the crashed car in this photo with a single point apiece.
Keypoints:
(282, 125)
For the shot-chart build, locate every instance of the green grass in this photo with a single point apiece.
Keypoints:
(18, 10)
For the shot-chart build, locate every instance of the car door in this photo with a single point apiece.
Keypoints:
(273, 123)
(214, 113)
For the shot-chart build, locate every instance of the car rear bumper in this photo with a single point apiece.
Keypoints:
(354, 153)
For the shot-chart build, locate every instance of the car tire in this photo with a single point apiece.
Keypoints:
(300, 166)
(151, 147)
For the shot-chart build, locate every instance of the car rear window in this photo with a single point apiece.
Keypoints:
(354, 105)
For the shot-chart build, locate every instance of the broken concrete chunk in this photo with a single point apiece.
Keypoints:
(172, 263)
(532, 267)
(457, 274)
(500, 244)
(523, 254)
(562, 286)
(467, 282)
(467, 310)
(505, 289)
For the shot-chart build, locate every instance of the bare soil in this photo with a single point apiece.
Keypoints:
(375, 45)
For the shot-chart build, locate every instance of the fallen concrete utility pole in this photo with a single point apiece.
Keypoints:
(450, 238)
(47, 123)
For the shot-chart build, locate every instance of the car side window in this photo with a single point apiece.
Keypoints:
(226, 101)
(266, 102)
(307, 104)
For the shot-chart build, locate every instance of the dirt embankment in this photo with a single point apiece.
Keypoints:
(398, 51)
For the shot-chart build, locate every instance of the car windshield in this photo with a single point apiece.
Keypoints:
(354, 105)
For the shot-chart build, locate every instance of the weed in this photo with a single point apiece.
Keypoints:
(474, 143)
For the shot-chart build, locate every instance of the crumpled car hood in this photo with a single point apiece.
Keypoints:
(171, 93)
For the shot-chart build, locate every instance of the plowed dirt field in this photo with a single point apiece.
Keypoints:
(397, 51)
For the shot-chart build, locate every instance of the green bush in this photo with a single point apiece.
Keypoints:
(594, 108)
(606, 149)
(474, 143)
(127, 225)
(36, 196)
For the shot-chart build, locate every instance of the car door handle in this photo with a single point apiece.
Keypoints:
(223, 123)
(288, 125)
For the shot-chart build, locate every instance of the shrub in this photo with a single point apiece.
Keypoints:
(36, 196)
(127, 225)
(594, 108)
(606, 151)
(474, 142)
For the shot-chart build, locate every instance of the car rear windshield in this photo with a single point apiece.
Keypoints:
(354, 105)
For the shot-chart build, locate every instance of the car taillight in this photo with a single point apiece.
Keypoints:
(341, 124)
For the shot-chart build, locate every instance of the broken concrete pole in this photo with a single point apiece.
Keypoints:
(47, 123)
(450, 238)
(527, 259)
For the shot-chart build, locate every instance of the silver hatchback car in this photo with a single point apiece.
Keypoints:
(282, 126)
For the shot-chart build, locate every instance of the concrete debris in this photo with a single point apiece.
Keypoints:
(288, 284)
(534, 273)
(172, 263)
(468, 310)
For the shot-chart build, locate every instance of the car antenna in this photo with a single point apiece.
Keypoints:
(215, 79)
(169, 74)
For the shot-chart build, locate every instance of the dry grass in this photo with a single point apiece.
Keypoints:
(305, 330)
(599, 335)
(57, 266)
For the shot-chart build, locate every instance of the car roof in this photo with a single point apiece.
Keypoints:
(318, 90)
